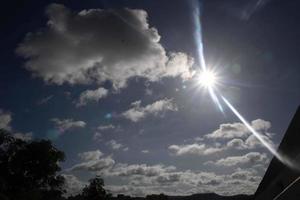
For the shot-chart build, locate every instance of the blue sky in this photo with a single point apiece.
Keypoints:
(114, 85)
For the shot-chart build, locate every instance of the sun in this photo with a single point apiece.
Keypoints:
(207, 79)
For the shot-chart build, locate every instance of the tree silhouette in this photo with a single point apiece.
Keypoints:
(95, 190)
(28, 170)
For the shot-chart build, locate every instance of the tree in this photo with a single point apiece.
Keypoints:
(28, 170)
(95, 190)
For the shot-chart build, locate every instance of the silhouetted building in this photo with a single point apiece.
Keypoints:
(281, 182)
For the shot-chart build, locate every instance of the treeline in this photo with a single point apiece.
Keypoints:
(29, 170)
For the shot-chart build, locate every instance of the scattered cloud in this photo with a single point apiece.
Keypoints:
(65, 124)
(232, 135)
(116, 146)
(105, 127)
(239, 130)
(23, 136)
(45, 100)
(73, 185)
(91, 95)
(139, 170)
(93, 161)
(194, 149)
(145, 151)
(249, 158)
(5, 119)
(97, 136)
(90, 155)
(138, 112)
(143, 179)
(79, 48)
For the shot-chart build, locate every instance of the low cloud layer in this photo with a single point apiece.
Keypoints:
(249, 158)
(143, 179)
(194, 149)
(97, 45)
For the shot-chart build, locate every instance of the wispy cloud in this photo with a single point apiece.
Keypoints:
(138, 112)
(65, 124)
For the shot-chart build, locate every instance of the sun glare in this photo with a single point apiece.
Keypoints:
(207, 79)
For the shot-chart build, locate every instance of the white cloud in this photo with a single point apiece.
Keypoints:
(80, 47)
(23, 136)
(237, 144)
(145, 151)
(140, 170)
(105, 127)
(5, 119)
(249, 143)
(91, 95)
(73, 185)
(116, 146)
(249, 158)
(194, 149)
(97, 136)
(230, 131)
(90, 155)
(93, 161)
(143, 179)
(239, 130)
(66, 124)
(138, 112)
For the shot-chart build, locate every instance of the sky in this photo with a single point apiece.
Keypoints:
(114, 85)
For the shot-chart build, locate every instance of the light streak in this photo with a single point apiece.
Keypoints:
(258, 135)
(198, 35)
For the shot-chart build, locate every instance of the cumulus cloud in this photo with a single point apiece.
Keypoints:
(249, 143)
(249, 158)
(90, 155)
(176, 182)
(238, 130)
(234, 136)
(97, 136)
(97, 45)
(93, 161)
(143, 179)
(194, 149)
(23, 136)
(140, 170)
(91, 95)
(66, 124)
(115, 145)
(138, 112)
(73, 185)
(5, 119)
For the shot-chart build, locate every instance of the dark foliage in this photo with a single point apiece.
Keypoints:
(28, 170)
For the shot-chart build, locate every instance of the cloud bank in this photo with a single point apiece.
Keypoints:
(97, 45)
